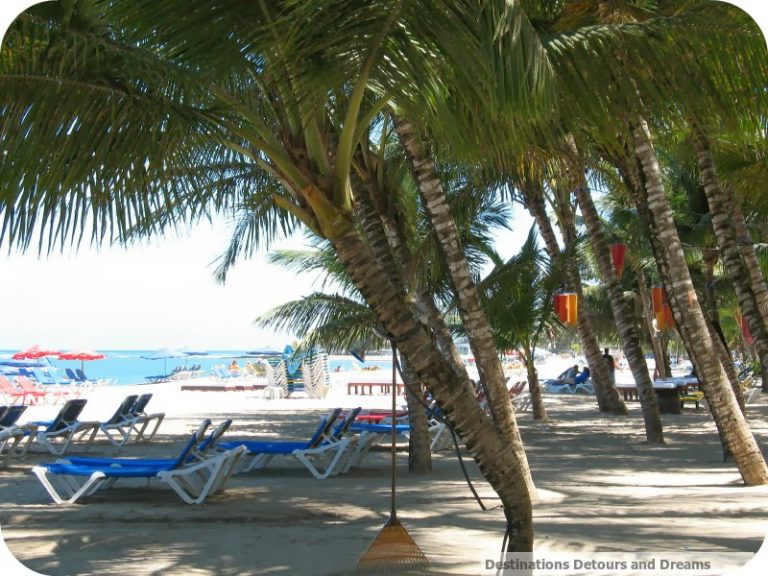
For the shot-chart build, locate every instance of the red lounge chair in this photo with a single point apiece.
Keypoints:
(12, 392)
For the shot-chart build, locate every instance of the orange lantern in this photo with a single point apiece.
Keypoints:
(661, 310)
(567, 308)
(669, 319)
(571, 309)
(618, 253)
(657, 299)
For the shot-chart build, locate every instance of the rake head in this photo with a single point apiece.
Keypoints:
(393, 551)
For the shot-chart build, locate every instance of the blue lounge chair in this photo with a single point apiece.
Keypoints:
(309, 453)
(200, 451)
(141, 419)
(118, 428)
(57, 434)
(193, 482)
(371, 434)
(9, 415)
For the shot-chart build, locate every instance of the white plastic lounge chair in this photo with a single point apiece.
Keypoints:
(192, 482)
(14, 441)
(118, 428)
(317, 376)
(321, 447)
(59, 433)
(142, 420)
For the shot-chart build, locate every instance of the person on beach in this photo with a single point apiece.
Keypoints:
(569, 376)
(582, 376)
(611, 365)
(234, 367)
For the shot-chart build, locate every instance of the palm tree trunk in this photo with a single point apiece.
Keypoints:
(690, 320)
(503, 463)
(630, 339)
(747, 246)
(472, 315)
(608, 399)
(419, 449)
(537, 402)
(721, 210)
(419, 453)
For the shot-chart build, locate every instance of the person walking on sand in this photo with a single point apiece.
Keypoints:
(611, 365)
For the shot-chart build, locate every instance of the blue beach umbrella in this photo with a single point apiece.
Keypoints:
(163, 354)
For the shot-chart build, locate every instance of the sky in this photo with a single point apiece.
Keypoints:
(162, 293)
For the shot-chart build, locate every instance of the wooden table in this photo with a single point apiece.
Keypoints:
(667, 392)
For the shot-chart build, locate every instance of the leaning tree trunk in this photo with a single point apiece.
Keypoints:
(747, 247)
(503, 463)
(611, 401)
(419, 453)
(630, 339)
(721, 211)
(419, 449)
(537, 402)
(600, 376)
(534, 388)
(722, 403)
(472, 314)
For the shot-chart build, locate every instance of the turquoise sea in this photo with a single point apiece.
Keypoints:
(130, 366)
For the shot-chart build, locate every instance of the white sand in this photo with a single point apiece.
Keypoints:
(600, 488)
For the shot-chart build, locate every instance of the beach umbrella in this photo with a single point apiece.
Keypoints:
(163, 354)
(34, 353)
(81, 355)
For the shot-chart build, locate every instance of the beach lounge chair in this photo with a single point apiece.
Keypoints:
(10, 439)
(204, 448)
(9, 415)
(193, 482)
(322, 446)
(119, 427)
(65, 428)
(13, 393)
(317, 376)
(36, 394)
(142, 420)
(372, 434)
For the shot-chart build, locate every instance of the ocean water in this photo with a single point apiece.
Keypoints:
(129, 366)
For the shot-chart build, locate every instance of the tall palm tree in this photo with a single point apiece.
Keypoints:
(517, 297)
(215, 106)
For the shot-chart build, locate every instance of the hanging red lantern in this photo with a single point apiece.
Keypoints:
(745, 330)
(618, 253)
(559, 305)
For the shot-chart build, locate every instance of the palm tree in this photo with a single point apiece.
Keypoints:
(517, 297)
(630, 338)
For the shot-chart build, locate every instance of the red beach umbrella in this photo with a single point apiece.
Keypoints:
(34, 353)
(81, 355)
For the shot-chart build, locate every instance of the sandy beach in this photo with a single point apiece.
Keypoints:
(602, 493)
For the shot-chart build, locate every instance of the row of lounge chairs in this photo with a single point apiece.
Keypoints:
(202, 468)
(130, 423)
